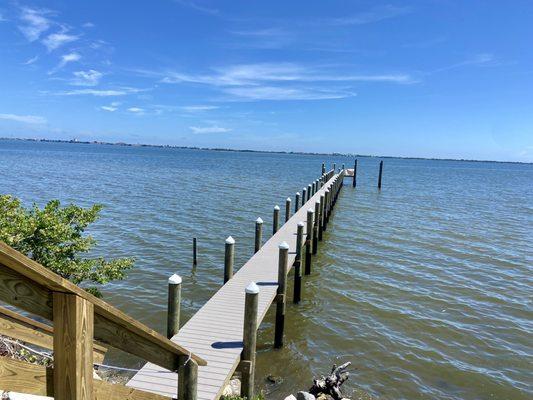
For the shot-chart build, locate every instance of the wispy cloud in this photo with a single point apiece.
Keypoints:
(30, 60)
(199, 108)
(34, 22)
(208, 129)
(196, 5)
(112, 107)
(58, 39)
(86, 78)
(136, 110)
(101, 92)
(280, 93)
(480, 59)
(376, 14)
(65, 59)
(27, 119)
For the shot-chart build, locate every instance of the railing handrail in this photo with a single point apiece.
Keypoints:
(111, 326)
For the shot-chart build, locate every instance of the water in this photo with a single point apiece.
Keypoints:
(425, 286)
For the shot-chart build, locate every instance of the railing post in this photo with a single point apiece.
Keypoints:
(73, 319)
(315, 227)
(287, 209)
(174, 305)
(321, 219)
(309, 237)
(354, 182)
(187, 379)
(258, 234)
(275, 220)
(229, 256)
(380, 173)
(297, 293)
(249, 339)
(296, 202)
(281, 294)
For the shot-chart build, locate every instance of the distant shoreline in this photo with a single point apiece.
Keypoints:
(168, 146)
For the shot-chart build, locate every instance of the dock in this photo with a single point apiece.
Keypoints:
(215, 332)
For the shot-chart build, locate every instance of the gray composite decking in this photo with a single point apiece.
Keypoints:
(215, 331)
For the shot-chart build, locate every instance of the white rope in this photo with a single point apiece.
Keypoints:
(188, 359)
(45, 355)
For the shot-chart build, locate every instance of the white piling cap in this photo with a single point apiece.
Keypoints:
(301, 223)
(289, 199)
(284, 246)
(259, 220)
(230, 240)
(252, 288)
(174, 280)
(310, 210)
(276, 208)
(327, 190)
(297, 193)
(318, 202)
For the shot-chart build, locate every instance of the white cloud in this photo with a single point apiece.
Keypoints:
(30, 60)
(27, 119)
(88, 25)
(136, 110)
(378, 13)
(198, 7)
(279, 93)
(100, 92)
(35, 23)
(198, 108)
(87, 78)
(58, 39)
(109, 108)
(208, 129)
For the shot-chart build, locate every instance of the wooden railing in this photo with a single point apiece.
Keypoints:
(78, 319)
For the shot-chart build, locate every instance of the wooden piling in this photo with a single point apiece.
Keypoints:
(321, 219)
(380, 173)
(308, 192)
(229, 258)
(315, 227)
(281, 294)
(297, 292)
(194, 252)
(287, 209)
(304, 195)
(323, 168)
(308, 239)
(327, 195)
(275, 220)
(174, 305)
(354, 181)
(258, 234)
(249, 336)
(187, 379)
(296, 202)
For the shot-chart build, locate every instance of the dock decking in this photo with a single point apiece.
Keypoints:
(215, 331)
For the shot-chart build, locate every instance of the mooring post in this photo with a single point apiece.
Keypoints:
(297, 293)
(313, 186)
(249, 339)
(323, 168)
(315, 227)
(308, 192)
(194, 252)
(380, 173)
(275, 220)
(287, 208)
(327, 193)
(281, 294)
(258, 234)
(296, 202)
(308, 239)
(187, 379)
(304, 194)
(334, 167)
(354, 182)
(174, 305)
(321, 219)
(228, 258)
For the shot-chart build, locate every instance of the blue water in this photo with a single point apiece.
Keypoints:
(426, 285)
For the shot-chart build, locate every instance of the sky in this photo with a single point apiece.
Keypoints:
(433, 78)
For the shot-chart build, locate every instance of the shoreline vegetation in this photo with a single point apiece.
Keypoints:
(169, 146)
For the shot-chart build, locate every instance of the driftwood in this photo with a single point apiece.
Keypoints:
(330, 385)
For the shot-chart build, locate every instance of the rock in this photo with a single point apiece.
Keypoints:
(304, 396)
(233, 388)
(290, 397)
(274, 379)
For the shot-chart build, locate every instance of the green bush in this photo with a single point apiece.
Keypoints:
(53, 236)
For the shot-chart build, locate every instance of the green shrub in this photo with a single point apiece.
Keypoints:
(53, 236)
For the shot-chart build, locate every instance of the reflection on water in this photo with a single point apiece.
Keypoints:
(424, 286)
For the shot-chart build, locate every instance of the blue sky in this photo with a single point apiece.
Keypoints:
(421, 78)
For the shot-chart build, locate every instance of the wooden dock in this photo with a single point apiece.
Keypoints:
(215, 332)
